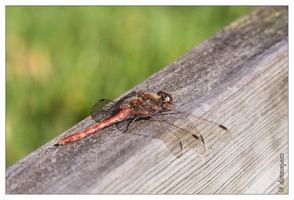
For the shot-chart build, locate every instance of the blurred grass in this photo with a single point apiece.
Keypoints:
(61, 60)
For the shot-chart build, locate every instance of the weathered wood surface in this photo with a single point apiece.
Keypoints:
(238, 77)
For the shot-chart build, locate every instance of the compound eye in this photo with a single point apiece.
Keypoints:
(166, 99)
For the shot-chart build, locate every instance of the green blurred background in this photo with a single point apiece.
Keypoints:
(61, 60)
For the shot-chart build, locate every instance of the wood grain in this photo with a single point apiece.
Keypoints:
(238, 77)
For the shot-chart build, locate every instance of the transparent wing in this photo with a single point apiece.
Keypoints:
(176, 135)
(208, 129)
(181, 131)
(187, 133)
(169, 136)
(105, 108)
(100, 104)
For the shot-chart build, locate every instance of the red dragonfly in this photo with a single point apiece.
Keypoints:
(144, 105)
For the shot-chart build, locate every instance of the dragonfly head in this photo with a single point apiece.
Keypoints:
(166, 99)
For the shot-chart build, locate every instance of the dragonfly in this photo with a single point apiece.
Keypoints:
(145, 105)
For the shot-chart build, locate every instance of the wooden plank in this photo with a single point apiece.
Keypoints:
(238, 77)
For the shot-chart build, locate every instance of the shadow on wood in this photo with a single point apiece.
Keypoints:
(238, 77)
